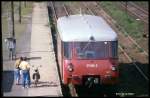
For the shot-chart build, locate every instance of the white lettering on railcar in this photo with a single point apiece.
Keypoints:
(91, 65)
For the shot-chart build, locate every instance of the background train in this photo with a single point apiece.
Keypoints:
(87, 50)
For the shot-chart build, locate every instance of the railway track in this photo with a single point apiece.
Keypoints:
(136, 67)
(70, 89)
(117, 28)
(121, 48)
(126, 54)
(115, 25)
(136, 11)
(66, 11)
(139, 44)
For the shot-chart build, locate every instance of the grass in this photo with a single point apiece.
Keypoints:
(143, 4)
(141, 50)
(134, 46)
(6, 6)
(27, 10)
(4, 31)
(123, 47)
(128, 23)
(19, 28)
(70, 3)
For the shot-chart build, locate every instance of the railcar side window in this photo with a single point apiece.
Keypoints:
(67, 50)
(114, 48)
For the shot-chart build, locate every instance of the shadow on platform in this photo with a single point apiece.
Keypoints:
(27, 58)
(44, 84)
(7, 81)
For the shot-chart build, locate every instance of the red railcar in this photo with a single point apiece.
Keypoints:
(87, 50)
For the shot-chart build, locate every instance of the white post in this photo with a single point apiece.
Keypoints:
(80, 11)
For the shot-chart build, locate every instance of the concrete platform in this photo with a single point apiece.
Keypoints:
(41, 48)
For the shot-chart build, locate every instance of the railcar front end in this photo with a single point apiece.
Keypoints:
(88, 50)
(90, 62)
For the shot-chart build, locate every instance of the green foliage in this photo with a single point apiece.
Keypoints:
(141, 50)
(128, 23)
(134, 46)
(143, 4)
(26, 10)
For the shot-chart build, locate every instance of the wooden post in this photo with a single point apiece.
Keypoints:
(12, 17)
(25, 4)
(9, 19)
(20, 11)
(12, 51)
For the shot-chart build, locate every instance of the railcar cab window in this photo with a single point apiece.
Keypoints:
(96, 50)
(114, 47)
(67, 50)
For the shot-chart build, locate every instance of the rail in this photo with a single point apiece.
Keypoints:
(128, 57)
(138, 12)
(131, 39)
(72, 89)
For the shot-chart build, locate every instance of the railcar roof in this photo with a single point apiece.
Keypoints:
(82, 27)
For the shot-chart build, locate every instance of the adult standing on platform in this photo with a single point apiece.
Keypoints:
(25, 67)
(17, 70)
(11, 45)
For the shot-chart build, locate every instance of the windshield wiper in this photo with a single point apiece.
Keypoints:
(86, 46)
(90, 40)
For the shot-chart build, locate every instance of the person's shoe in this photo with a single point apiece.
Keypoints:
(23, 87)
(16, 83)
(27, 86)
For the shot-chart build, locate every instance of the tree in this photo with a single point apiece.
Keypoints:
(13, 48)
(12, 18)
(20, 11)
(25, 3)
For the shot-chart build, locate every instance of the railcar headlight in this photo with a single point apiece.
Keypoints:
(70, 67)
(114, 68)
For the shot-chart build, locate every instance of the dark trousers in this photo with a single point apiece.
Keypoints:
(12, 53)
